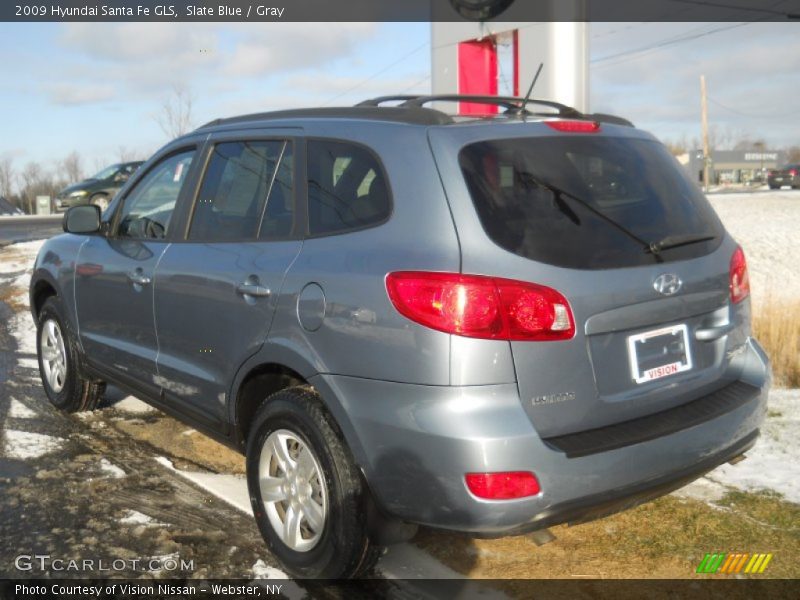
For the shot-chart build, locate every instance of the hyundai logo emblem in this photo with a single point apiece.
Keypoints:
(667, 284)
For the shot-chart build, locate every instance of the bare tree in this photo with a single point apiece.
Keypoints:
(679, 146)
(793, 154)
(747, 143)
(36, 182)
(7, 177)
(175, 117)
(31, 176)
(71, 167)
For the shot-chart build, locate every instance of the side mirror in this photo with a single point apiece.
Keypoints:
(82, 219)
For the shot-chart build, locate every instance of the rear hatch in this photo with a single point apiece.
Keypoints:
(786, 174)
(610, 220)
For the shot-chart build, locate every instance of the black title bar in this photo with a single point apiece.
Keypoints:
(334, 11)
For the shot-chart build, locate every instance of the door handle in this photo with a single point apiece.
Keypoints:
(138, 278)
(256, 290)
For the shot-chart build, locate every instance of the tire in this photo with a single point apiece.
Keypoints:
(774, 187)
(337, 547)
(60, 362)
(100, 200)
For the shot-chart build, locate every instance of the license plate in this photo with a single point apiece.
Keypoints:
(659, 353)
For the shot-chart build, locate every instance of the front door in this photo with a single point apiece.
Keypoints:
(216, 291)
(114, 277)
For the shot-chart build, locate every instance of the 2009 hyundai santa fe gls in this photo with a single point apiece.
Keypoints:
(486, 324)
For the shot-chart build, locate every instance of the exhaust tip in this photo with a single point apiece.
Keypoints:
(542, 537)
(737, 459)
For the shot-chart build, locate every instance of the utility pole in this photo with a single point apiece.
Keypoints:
(706, 149)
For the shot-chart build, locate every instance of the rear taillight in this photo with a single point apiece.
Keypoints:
(502, 486)
(739, 278)
(793, 172)
(574, 126)
(481, 307)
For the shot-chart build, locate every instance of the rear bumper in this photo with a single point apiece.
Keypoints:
(415, 443)
(783, 181)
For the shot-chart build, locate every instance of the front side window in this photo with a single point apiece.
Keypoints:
(347, 188)
(148, 208)
(247, 188)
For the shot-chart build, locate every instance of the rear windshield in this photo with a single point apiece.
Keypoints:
(514, 184)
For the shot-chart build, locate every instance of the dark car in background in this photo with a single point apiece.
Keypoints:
(98, 189)
(7, 209)
(788, 175)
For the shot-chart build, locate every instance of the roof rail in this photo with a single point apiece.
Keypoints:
(381, 99)
(415, 116)
(512, 104)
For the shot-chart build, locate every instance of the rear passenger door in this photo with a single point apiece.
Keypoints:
(216, 289)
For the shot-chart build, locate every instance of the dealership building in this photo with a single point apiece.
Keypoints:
(734, 166)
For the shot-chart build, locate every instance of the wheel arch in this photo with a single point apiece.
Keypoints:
(275, 368)
(43, 286)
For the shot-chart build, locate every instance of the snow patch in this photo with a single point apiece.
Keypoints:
(230, 488)
(772, 464)
(133, 405)
(261, 570)
(290, 590)
(111, 469)
(25, 445)
(134, 517)
(18, 410)
(29, 363)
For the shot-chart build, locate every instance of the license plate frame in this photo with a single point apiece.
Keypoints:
(663, 337)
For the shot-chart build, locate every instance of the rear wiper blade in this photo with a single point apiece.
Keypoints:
(676, 241)
(560, 193)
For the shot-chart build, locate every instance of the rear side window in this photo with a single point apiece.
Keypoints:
(347, 188)
(247, 189)
(637, 183)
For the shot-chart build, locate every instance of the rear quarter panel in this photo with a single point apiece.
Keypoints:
(362, 335)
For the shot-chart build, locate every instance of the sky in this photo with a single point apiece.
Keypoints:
(96, 88)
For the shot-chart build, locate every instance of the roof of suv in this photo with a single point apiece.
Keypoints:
(412, 111)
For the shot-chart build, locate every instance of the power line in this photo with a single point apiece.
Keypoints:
(769, 114)
(770, 10)
(665, 43)
(413, 85)
(377, 74)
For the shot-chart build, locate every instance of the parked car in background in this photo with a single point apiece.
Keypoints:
(788, 175)
(98, 189)
(8, 209)
(487, 324)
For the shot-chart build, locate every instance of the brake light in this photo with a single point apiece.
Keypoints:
(502, 486)
(574, 126)
(793, 172)
(481, 307)
(739, 277)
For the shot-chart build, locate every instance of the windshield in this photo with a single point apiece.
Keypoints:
(587, 202)
(106, 173)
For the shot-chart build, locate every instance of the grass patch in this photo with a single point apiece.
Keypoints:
(664, 539)
(765, 506)
(776, 324)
